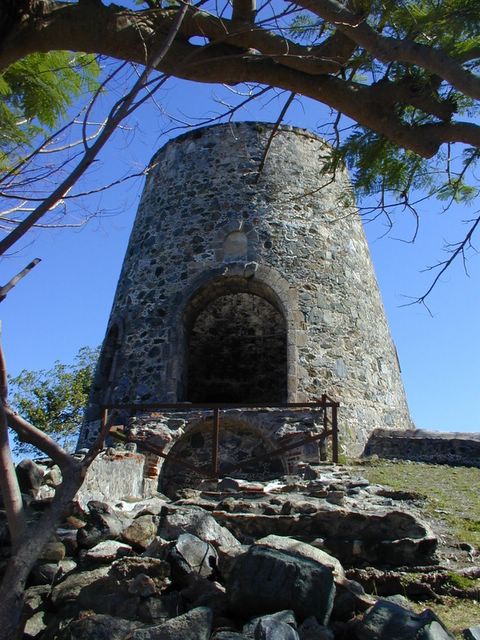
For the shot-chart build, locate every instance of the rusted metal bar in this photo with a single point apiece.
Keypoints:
(325, 415)
(185, 406)
(324, 402)
(335, 433)
(215, 441)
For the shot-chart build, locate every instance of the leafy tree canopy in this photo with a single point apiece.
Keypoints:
(35, 94)
(406, 71)
(54, 400)
(400, 78)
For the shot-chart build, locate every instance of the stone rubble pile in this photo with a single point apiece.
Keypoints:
(245, 560)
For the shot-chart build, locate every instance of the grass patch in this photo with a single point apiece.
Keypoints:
(456, 614)
(451, 493)
(462, 582)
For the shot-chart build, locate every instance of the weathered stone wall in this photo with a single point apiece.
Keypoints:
(114, 475)
(208, 226)
(420, 445)
(244, 435)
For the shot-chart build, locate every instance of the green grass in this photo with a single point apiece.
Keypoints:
(455, 613)
(452, 494)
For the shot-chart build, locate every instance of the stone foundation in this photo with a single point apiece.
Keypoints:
(426, 446)
(186, 437)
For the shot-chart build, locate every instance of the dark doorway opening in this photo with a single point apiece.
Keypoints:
(237, 351)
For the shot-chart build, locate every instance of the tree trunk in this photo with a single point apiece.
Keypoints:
(29, 548)
(12, 497)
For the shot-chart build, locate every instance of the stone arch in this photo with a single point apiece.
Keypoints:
(251, 280)
(239, 441)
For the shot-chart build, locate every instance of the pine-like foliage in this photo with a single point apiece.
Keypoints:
(35, 94)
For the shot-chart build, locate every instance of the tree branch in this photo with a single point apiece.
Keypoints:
(386, 49)
(12, 498)
(39, 439)
(241, 54)
(15, 280)
(244, 11)
(119, 111)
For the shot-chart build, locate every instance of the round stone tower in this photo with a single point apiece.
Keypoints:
(248, 279)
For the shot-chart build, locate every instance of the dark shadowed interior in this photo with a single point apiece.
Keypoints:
(237, 351)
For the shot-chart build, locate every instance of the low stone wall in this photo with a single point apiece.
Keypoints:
(245, 435)
(426, 446)
(113, 476)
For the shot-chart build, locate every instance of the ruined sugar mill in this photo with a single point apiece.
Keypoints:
(247, 315)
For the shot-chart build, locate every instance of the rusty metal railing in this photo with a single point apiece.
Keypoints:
(330, 429)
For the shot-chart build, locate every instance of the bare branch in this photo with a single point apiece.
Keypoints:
(273, 133)
(459, 250)
(118, 113)
(15, 280)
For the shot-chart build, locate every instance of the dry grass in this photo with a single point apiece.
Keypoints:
(455, 613)
(452, 494)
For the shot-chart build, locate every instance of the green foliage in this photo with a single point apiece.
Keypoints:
(54, 400)
(36, 93)
(456, 614)
(378, 166)
(453, 23)
(305, 27)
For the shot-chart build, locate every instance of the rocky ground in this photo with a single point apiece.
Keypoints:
(320, 556)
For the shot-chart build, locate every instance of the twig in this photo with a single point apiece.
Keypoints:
(272, 135)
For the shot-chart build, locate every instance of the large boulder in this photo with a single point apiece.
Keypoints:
(141, 532)
(70, 588)
(190, 555)
(265, 580)
(103, 523)
(269, 628)
(390, 621)
(107, 551)
(99, 627)
(117, 590)
(178, 520)
(29, 476)
(193, 625)
(304, 550)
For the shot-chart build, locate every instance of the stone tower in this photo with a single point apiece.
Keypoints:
(248, 279)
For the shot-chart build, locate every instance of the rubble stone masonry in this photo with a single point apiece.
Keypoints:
(242, 285)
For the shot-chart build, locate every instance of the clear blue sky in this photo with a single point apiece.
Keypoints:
(65, 302)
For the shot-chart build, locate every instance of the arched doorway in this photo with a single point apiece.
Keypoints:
(239, 442)
(236, 349)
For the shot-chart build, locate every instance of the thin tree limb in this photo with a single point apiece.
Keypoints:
(14, 281)
(119, 112)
